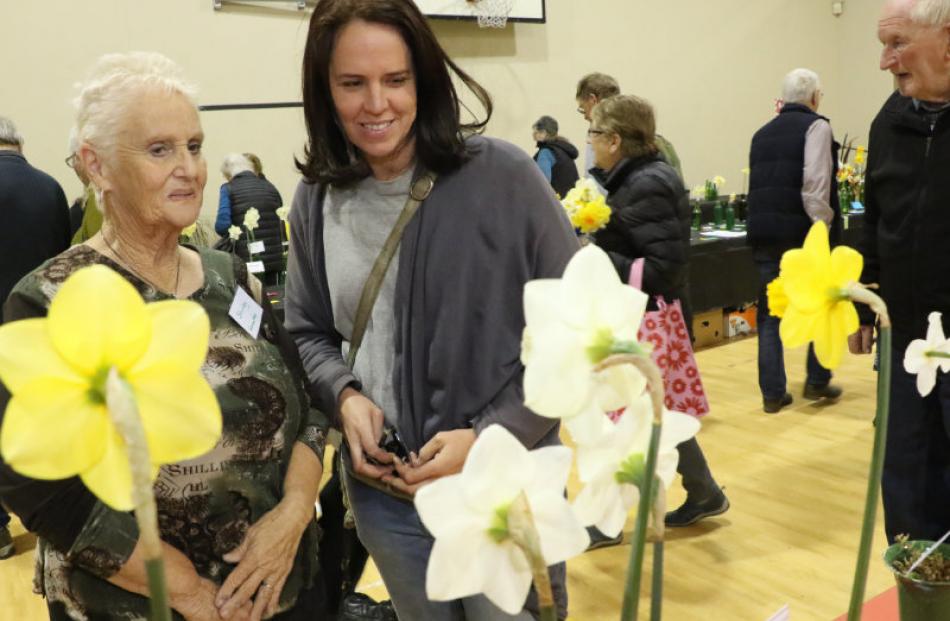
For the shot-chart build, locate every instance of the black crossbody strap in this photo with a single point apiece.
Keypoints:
(420, 190)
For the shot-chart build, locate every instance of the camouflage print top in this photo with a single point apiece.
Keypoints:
(206, 504)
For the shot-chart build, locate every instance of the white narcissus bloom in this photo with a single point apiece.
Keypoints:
(571, 325)
(234, 232)
(283, 212)
(917, 361)
(467, 515)
(612, 468)
(251, 218)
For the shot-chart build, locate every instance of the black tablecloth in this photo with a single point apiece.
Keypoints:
(722, 273)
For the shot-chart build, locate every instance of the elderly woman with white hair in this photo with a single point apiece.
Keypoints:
(243, 189)
(238, 523)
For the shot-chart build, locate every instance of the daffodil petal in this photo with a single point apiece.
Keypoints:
(508, 580)
(926, 380)
(601, 503)
(796, 327)
(441, 506)
(181, 342)
(51, 430)
(451, 573)
(846, 265)
(98, 320)
(914, 356)
(110, 479)
(497, 468)
(561, 533)
(828, 348)
(180, 414)
(26, 353)
(557, 377)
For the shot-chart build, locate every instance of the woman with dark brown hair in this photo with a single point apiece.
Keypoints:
(439, 360)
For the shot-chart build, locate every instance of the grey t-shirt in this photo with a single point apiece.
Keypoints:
(356, 222)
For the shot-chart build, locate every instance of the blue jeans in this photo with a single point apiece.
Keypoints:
(772, 380)
(915, 484)
(400, 545)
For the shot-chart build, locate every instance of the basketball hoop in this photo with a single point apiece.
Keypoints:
(491, 13)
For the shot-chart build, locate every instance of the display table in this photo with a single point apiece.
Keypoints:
(722, 273)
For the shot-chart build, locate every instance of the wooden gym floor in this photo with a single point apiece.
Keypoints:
(796, 481)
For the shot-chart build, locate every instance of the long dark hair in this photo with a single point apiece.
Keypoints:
(438, 131)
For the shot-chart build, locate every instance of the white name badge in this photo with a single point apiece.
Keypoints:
(246, 312)
(255, 267)
(255, 247)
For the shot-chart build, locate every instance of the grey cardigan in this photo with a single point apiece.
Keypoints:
(487, 229)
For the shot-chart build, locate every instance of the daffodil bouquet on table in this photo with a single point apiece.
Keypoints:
(586, 207)
(712, 187)
(503, 520)
(90, 386)
(814, 296)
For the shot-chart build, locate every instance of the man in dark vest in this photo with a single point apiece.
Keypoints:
(35, 228)
(793, 162)
(555, 156)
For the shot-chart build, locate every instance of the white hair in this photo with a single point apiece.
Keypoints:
(931, 12)
(800, 86)
(113, 85)
(235, 164)
(8, 133)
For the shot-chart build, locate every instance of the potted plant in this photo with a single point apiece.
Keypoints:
(923, 586)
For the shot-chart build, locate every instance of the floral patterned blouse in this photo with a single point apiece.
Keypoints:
(206, 504)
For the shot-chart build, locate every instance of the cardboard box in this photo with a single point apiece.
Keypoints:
(707, 328)
(740, 322)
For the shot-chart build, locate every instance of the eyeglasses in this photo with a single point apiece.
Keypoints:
(595, 132)
(71, 160)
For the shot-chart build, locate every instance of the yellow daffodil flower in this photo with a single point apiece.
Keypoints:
(57, 424)
(816, 280)
(719, 181)
(591, 216)
(859, 156)
(188, 231)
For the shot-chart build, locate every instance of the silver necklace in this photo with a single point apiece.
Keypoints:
(128, 265)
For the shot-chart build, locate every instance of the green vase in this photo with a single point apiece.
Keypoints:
(919, 600)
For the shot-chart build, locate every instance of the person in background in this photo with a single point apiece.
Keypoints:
(594, 88)
(440, 358)
(905, 250)
(242, 190)
(256, 164)
(792, 165)
(84, 215)
(650, 220)
(35, 228)
(555, 156)
(238, 528)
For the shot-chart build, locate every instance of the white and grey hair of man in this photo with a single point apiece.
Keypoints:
(931, 12)
(112, 88)
(235, 164)
(800, 86)
(9, 134)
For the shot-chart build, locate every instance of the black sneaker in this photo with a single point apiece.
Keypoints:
(691, 512)
(771, 406)
(829, 392)
(7, 548)
(600, 540)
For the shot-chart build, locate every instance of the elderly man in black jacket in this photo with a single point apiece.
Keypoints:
(792, 165)
(905, 250)
(35, 228)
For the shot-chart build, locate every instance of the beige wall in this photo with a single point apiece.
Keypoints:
(712, 69)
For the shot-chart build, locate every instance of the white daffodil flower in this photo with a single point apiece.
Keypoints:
(571, 325)
(919, 356)
(283, 212)
(612, 469)
(234, 232)
(467, 514)
(251, 218)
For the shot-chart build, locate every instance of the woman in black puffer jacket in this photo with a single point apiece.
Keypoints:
(650, 219)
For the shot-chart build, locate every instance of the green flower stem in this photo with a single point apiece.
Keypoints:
(874, 478)
(524, 534)
(125, 415)
(631, 596)
(656, 592)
